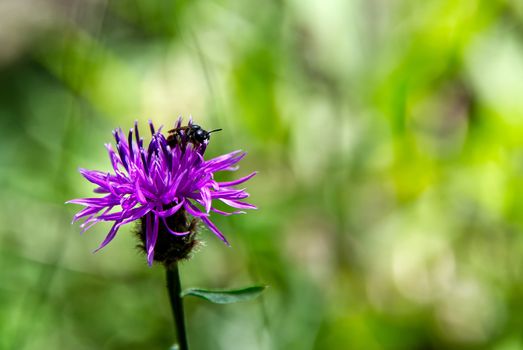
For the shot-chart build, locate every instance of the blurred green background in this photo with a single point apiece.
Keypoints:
(388, 138)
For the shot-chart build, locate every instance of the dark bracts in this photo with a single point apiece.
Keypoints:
(170, 248)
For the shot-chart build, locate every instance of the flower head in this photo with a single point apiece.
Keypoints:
(161, 184)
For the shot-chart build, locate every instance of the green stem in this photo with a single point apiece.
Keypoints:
(174, 288)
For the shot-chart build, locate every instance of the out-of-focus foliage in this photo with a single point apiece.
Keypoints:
(225, 296)
(388, 136)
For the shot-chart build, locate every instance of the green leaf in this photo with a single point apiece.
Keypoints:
(174, 347)
(225, 296)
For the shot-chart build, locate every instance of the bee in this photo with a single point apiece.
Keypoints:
(192, 133)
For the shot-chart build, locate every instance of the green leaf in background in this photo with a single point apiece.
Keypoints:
(226, 296)
(174, 347)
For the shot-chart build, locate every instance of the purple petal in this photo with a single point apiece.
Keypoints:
(112, 156)
(110, 236)
(151, 237)
(97, 202)
(229, 194)
(231, 168)
(100, 190)
(177, 182)
(151, 126)
(87, 227)
(237, 182)
(224, 213)
(84, 212)
(193, 210)
(139, 193)
(225, 161)
(130, 142)
(173, 232)
(238, 204)
(206, 198)
(170, 211)
(214, 229)
(136, 133)
(97, 177)
(126, 215)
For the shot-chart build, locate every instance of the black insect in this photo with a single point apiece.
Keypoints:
(192, 133)
(196, 134)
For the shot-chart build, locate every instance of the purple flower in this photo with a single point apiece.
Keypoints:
(159, 182)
